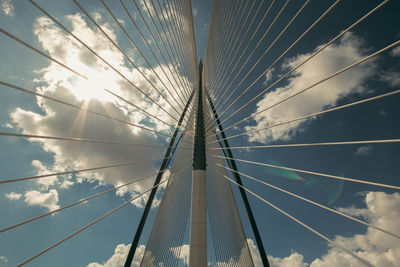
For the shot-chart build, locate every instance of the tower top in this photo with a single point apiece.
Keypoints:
(200, 65)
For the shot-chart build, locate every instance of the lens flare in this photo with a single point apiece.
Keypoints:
(332, 188)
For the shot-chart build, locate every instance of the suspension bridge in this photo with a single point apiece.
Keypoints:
(124, 103)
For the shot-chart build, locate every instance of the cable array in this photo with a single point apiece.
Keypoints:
(247, 40)
(241, 51)
(168, 85)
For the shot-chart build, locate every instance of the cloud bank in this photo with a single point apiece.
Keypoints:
(7, 7)
(48, 200)
(335, 57)
(58, 120)
(381, 209)
(119, 257)
(380, 249)
(13, 196)
(363, 151)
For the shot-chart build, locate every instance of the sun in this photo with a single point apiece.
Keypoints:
(93, 88)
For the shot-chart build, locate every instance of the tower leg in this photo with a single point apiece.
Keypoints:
(198, 213)
(198, 221)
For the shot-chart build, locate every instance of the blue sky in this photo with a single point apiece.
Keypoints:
(286, 242)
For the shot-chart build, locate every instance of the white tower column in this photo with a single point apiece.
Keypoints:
(198, 212)
(198, 220)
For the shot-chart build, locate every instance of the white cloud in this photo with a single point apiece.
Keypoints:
(7, 7)
(294, 260)
(238, 260)
(121, 21)
(268, 76)
(41, 169)
(3, 259)
(363, 151)
(195, 12)
(392, 78)
(182, 253)
(63, 181)
(355, 212)
(395, 51)
(166, 12)
(97, 16)
(255, 254)
(333, 58)
(13, 196)
(48, 200)
(119, 257)
(378, 248)
(59, 120)
(147, 7)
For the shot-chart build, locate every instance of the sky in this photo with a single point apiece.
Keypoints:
(287, 243)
